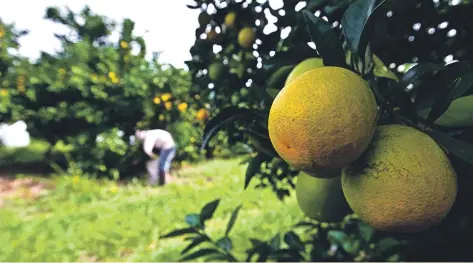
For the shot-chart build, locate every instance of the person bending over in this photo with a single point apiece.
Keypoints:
(164, 143)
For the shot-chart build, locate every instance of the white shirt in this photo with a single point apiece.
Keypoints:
(158, 138)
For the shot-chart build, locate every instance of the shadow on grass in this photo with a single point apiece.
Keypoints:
(33, 161)
(25, 160)
(41, 169)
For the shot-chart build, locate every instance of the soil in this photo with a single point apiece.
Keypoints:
(32, 188)
(27, 188)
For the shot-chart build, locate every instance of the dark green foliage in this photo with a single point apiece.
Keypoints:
(219, 249)
(93, 94)
(325, 39)
(350, 240)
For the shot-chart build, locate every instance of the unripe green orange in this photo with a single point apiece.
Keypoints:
(303, 67)
(216, 71)
(246, 37)
(230, 20)
(321, 199)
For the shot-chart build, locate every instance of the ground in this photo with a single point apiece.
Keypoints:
(70, 218)
(28, 188)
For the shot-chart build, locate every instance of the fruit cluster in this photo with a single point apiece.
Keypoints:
(324, 122)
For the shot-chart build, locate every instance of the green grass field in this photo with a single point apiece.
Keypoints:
(85, 219)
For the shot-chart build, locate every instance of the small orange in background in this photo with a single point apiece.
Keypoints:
(112, 75)
(202, 114)
(115, 80)
(168, 105)
(182, 107)
(166, 96)
(3, 92)
(212, 35)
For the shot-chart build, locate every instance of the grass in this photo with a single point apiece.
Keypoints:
(84, 219)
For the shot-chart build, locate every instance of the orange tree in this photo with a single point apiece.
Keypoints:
(9, 84)
(87, 99)
(433, 97)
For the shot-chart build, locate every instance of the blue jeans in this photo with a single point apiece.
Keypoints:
(164, 164)
(165, 159)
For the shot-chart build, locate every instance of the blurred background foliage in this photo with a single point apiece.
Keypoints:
(87, 99)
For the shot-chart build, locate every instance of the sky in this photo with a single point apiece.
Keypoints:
(167, 26)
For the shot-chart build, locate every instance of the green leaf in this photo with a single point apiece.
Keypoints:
(395, 93)
(193, 220)
(287, 255)
(208, 210)
(179, 232)
(275, 242)
(318, 254)
(458, 114)
(278, 78)
(386, 244)
(225, 243)
(417, 72)
(293, 241)
(249, 254)
(326, 40)
(305, 224)
(352, 246)
(261, 142)
(254, 167)
(366, 231)
(263, 254)
(256, 242)
(272, 93)
(337, 236)
(293, 55)
(260, 248)
(221, 258)
(464, 86)
(438, 87)
(193, 6)
(332, 8)
(357, 26)
(198, 240)
(227, 115)
(443, 102)
(232, 220)
(245, 160)
(458, 148)
(381, 70)
(200, 253)
(191, 237)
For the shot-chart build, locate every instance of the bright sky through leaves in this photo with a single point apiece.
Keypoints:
(167, 26)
